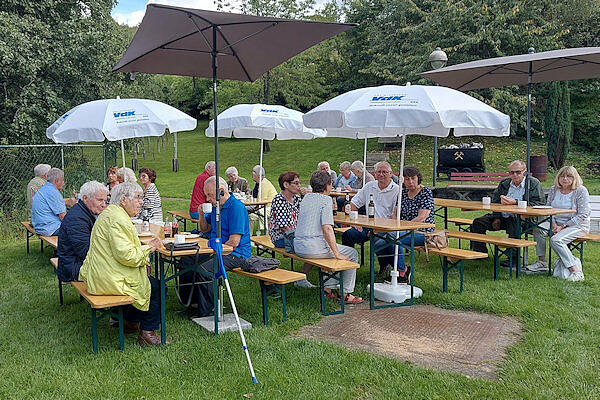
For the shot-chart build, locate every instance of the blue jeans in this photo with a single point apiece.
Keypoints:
(383, 249)
(195, 215)
(280, 243)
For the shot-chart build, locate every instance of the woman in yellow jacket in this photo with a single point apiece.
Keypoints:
(116, 263)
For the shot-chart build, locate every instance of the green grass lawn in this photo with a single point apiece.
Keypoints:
(45, 349)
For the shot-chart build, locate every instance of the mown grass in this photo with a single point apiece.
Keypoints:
(45, 349)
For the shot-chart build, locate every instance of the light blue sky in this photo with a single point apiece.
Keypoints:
(127, 6)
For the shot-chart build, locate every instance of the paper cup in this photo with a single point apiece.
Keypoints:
(486, 200)
(353, 214)
(207, 208)
(179, 239)
(522, 204)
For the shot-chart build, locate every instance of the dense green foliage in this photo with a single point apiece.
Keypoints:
(557, 123)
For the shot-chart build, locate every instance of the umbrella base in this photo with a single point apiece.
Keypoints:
(227, 324)
(394, 294)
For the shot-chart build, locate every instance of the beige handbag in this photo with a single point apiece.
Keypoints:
(437, 239)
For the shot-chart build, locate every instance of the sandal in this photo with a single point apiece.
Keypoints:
(354, 300)
(331, 295)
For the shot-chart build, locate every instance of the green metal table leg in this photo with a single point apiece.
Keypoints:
(163, 320)
(341, 281)
(496, 262)
(445, 275)
(121, 328)
(94, 331)
(282, 288)
(549, 247)
(265, 304)
(510, 260)
(460, 271)
(322, 291)
(372, 271)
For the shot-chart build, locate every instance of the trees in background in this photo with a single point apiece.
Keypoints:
(557, 123)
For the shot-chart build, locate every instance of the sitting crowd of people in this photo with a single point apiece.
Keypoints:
(99, 244)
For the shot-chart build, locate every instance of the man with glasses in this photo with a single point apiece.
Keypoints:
(509, 191)
(385, 196)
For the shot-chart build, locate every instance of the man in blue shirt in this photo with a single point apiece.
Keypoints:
(48, 207)
(235, 227)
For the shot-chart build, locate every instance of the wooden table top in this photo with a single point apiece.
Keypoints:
(256, 202)
(341, 193)
(381, 224)
(466, 205)
(157, 231)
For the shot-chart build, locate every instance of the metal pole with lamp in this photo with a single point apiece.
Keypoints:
(437, 60)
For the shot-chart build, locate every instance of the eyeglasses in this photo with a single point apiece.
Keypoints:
(294, 182)
(515, 172)
(383, 172)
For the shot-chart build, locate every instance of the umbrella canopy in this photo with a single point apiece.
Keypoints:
(261, 121)
(181, 41)
(392, 110)
(118, 119)
(547, 66)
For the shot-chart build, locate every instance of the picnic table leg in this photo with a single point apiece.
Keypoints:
(163, 322)
(520, 236)
(341, 281)
(510, 260)
(549, 247)
(496, 261)
(94, 331)
(265, 217)
(322, 291)
(60, 292)
(28, 237)
(265, 305)
(445, 217)
(121, 328)
(460, 271)
(445, 275)
(282, 288)
(41, 246)
(372, 271)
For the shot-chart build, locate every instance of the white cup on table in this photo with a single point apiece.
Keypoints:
(206, 208)
(353, 215)
(179, 239)
(522, 204)
(486, 200)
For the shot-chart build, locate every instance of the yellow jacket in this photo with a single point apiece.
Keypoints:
(267, 191)
(116, 261)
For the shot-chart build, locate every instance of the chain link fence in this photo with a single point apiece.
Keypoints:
(79, 162)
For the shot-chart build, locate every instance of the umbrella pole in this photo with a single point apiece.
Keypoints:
(175, 160)
(528, 131)
(394, 273)
(260, 177)
(123, 152)
(364, 164)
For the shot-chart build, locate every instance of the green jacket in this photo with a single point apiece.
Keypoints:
(116, 261)
(536, 193)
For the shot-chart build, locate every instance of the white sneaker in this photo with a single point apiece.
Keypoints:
(304, 283)
(576, 276)
(538, 266)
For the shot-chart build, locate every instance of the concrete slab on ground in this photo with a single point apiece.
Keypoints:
(468, 343)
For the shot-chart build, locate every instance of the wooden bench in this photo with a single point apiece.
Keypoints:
(464, 191)
(453, 258)
(595, 215)
(502, 246)
(183, 216)
(329, 268)
(578, 243)
(54, 262)
(107, 304)
(51, 241)
(273, 282)
(362, 245)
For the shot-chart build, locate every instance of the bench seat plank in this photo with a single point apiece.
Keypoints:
(182, 214)
(461, 221)
(101, 301)
(276, 276)
(51, 240)
(342, 230)
(54, 262)
(591, 237)
(498, 240)
(458, 254)
(28, 226)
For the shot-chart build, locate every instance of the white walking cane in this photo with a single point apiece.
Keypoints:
(216, 245)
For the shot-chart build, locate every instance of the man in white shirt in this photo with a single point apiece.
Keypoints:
(385, 196)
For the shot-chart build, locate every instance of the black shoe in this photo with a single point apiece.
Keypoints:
(506, 264)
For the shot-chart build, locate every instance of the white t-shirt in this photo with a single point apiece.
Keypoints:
(385, 200)
(563, 201)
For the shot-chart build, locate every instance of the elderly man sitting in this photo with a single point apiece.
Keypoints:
(116, 263)
(346, 177)
(324, 166)
(235, 228)
(48, 207)
(37, 181)
(236, 183)
(76, 228)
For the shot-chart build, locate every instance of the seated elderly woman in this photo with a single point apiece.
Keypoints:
(568, 192)
(151, 201)
(76, 228)
(116, 263)
(315, 238)
(346, 177)
(125, 174)
(111, 175)
(267, 193)
(284, 216)
(358, 168)
(235, 183)
(417, 206)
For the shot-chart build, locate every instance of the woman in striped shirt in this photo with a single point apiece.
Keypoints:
(151, 199)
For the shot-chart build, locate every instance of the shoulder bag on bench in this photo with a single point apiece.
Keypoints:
(437, 239)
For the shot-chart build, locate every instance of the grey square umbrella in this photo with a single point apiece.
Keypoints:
(547, 66)
(190, 42)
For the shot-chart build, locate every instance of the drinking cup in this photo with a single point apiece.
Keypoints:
(179, 239)
(207, 208)
(522, 204)
(486, 200)
(353, 214)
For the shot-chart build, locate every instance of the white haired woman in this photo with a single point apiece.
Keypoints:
(568, 192)
(116, 263)
(125, 174)
(235, 183)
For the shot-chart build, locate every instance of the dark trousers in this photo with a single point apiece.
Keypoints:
(384, 250)
(149, 320)
(229, 262)
(484, 223)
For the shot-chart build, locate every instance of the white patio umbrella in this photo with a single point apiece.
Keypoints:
(264, 122)
(388, 111)
(118, 119)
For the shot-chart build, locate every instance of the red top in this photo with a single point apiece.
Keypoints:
(198, 196)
